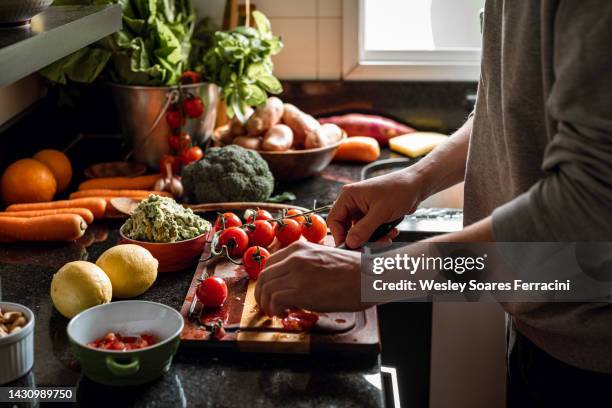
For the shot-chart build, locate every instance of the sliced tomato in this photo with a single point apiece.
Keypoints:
(299, 320)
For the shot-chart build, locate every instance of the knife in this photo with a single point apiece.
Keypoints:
(378, 233)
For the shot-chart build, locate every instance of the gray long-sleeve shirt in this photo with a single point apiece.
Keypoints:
(540, 157)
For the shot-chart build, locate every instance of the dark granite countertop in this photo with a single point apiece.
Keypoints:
(195, 379)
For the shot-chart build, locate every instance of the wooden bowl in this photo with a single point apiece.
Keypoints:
(172, 256)
(296, 164)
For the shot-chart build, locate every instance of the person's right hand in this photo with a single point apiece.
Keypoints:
(364, 206)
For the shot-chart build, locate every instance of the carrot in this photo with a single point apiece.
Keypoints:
(86, 214)
(358, 148)
(121, 183)
(117, 193)
(96, 205)
(59, 227)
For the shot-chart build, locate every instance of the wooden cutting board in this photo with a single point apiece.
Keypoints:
(248, 330)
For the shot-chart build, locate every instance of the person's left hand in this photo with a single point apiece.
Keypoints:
(312, 277)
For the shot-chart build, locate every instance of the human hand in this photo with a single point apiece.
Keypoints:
(364, 206)
(312, 277)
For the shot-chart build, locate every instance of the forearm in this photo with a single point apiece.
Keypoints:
(444, 166)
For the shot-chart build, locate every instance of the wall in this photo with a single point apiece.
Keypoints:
(310, 29)
(18, 96)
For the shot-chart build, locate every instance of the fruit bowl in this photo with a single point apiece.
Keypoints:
(172, 256)
(295, 164)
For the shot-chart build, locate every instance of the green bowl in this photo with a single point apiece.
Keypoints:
(124, 368)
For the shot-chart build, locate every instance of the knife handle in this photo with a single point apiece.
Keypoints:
(379, 232)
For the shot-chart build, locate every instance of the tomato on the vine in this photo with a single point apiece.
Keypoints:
(227, 220)
(190, 77)
(254, 260)
(173, 161)
(191, 155)
(261, 233)
(193, 107)
(256, 215)
(174, 141)
(212, 292)
(288, 231)
(314, 228)
(174, 119)
(294, 212)
(235, 239)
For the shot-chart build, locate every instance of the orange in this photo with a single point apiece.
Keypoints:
(27, 181)
(59, 165)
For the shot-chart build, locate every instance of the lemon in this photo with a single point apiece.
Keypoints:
(78, 286)
(131, 269)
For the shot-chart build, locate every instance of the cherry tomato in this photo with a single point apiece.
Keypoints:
(288, 231)
(174, 141)
(190, 77)
(255, 215)
(227, 220)
(236, 240)
(174, 162)
(254, 260)
(314, 228)
(296, 212)
(212, 292)
(173, 118)
(261, 233)
(193, 107)
(191, 155)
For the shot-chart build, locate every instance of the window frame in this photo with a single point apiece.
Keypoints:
(358, 64)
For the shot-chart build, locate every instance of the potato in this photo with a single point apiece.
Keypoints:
(248, 142)
(301, 123)
(278, 139)
(226, 137)
(265, 117)
(237, 128)
(325, 135)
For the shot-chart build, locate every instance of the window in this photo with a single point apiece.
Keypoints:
(412, 39)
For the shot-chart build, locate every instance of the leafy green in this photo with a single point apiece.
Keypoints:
(240, 62)
(152, 48)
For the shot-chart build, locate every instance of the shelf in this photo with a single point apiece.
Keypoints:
(53, 34)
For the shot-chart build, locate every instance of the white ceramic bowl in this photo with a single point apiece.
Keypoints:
(17, 349)
(131, 317)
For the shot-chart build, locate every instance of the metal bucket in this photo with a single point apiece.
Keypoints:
(141, 112)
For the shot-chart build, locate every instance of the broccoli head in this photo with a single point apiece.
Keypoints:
(229, 173)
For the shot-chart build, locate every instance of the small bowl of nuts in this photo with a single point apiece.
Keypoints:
(16, 341)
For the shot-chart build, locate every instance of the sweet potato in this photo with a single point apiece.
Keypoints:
(121, 183)
(248, 142)
(300, 123)
(265, 117)
(94, 204)
(86, 214)
(362, 149)
(278, 139)
(326, 135)
(59, 227)
(380, 128)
